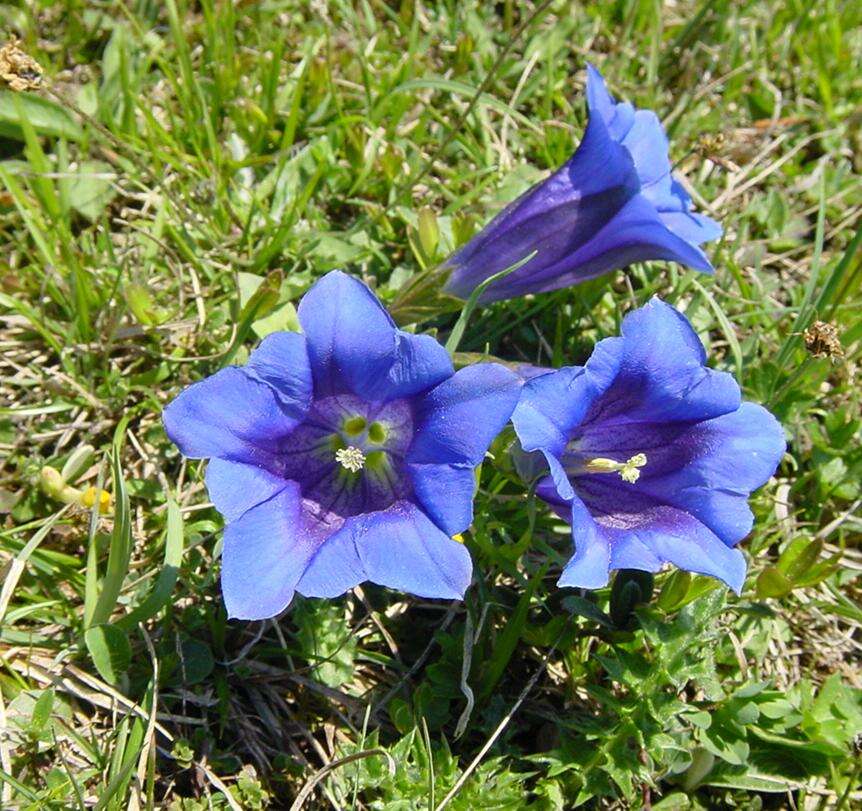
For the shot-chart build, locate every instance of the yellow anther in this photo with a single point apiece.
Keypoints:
(350, 458)
(628, 470)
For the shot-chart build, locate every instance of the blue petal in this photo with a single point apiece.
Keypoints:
(234, 488)
(660, 374)
(398, 548)
(632, 519)
(731, 456)
(693, 228)
(421, 363)
(629, 552)
(643, 136)
(351, 338)
(355, 347)
(637, 233)
(526, 371)
(265, 553)
(229, 415)
(456, 421)
(550, 407)
(617, 117)
(589, 567)
(675, 537)
(446, 494)
(613, 203)
(648, 146)
(281, 360)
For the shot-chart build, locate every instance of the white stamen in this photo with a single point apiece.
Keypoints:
(350, 458)
(628, 470)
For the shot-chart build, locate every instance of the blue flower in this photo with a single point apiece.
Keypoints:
(613, 203)
(343, 454)
(651, 455)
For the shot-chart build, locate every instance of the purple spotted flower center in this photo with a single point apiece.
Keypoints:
(348, 456)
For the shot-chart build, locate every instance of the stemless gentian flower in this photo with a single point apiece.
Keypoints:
(613, 203)
(651, 455)
(343, 454)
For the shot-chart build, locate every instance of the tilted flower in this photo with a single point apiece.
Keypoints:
(613, 203)
(651, 455)
(343, 454)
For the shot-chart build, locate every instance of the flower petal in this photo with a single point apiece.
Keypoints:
(692, 227)
(281, 360)
(229, 415)
(727, 458)
(265, 553)
(550, 407)
(618, 117)
(351, 338)
(421, 363)
(399, 548)
(456, 421)
(589, 567)
(234, 488)
(446, 493)
(668, 533)
(660, 372)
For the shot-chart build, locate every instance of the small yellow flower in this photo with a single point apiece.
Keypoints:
(88, 499)
(458, 537)
(55, 486)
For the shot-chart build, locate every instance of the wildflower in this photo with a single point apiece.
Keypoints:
(17, 69)
(613, 203)
(650, 454)
(55, 485)
(343, 454)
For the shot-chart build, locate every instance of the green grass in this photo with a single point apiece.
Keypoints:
(184, 176)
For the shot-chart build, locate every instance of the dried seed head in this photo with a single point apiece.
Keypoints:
(17, 69)
(821, 340)
(711, 143)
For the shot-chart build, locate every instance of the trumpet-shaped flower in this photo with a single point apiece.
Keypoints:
(651, 455)
(343, 454)
(613, 203)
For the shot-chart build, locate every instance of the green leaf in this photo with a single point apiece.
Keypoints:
(772, 583)
(749, 781)
(45, 116)
(91, 190)
(508, 639)
(41, 712)
(164, 587)
(191, 664)
(429, 233)
(673, 591)
(110, 651)
(326, 640)
(799, 557)
(282, 317)
(472, 302)
(140, 301)
(101, 597)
